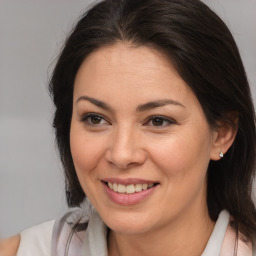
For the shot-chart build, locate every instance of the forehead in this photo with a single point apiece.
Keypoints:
(122, 70)
(121, 57)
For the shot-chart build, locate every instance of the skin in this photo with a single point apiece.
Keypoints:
(9, 247)
(123, 142)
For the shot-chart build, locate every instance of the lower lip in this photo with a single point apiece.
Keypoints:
(128, 199)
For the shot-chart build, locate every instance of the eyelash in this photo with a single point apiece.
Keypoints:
(168, 121)
(87, 119)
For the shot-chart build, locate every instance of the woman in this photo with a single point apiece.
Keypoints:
(156, 127)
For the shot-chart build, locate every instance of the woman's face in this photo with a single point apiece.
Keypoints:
(139, 139)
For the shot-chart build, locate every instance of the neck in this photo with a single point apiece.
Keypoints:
(185, 236)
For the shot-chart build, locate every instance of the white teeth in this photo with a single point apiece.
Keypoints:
(138, 187)
(129, 189)
(110, 185)
(145, 186)
(115, 187)
(121, 188)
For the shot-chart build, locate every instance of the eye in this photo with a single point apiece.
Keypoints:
(93, 119)
(159, 121)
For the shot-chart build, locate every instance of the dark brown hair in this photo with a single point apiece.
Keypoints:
(203, 51)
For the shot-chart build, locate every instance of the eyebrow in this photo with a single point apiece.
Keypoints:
(157, 104)
(98, 103)
(140, 108)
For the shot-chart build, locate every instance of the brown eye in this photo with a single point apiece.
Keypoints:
(95, 119)
(159, 121)
(156, 121)
(92, 119)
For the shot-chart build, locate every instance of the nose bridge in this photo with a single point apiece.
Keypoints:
(124, 142)
(125, 149)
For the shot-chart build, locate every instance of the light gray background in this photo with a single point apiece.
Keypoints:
(31, 34)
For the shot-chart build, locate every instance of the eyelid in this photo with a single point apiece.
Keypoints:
(164, 118)
(84, 119)
(86, 116)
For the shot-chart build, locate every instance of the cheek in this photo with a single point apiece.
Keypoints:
(182, 162)
(182, 155)
(86, 152)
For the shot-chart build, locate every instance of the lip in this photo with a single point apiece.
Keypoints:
(128, 199)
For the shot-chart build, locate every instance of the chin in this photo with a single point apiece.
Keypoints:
(130, 224)
(129, 229)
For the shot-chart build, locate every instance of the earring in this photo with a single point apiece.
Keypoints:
(221, 154)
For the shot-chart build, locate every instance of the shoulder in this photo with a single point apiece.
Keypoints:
(9, 247)
(69, 232)
(235, 241)
(36, 240)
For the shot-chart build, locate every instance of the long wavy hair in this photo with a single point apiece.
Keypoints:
(204, 53)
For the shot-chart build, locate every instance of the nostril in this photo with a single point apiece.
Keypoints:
(123, 166)
(125, 157)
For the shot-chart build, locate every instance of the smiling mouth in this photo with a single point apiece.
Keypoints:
(129, 189)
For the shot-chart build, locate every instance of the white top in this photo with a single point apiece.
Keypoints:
(37, 240)
(47, 240)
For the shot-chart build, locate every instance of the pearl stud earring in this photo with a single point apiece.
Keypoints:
(221, 154)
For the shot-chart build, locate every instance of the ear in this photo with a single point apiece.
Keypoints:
(224, 137)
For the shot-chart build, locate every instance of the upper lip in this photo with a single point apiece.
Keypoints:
(128, 181)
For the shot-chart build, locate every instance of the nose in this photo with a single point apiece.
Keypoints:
(125, 149)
